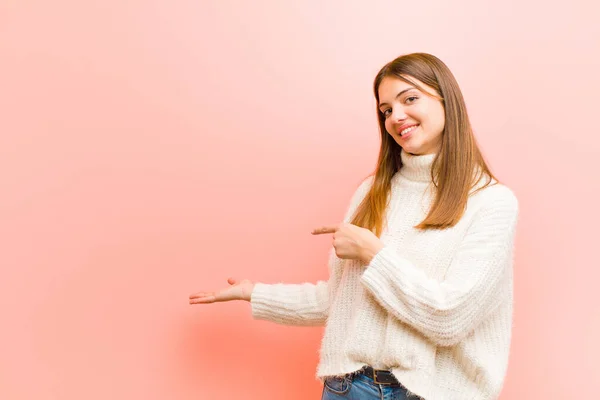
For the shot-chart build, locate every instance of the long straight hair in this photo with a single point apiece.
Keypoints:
(457, 167)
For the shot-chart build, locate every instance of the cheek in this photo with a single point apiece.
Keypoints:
(388, 126)
(440, 117)
(434, 121)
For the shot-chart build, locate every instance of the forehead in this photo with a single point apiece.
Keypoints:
(390, 86)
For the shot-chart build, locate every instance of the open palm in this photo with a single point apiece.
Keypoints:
(238, 290)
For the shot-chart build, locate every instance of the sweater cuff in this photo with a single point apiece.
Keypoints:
(261, 302)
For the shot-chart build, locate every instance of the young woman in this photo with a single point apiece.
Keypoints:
(418, 303)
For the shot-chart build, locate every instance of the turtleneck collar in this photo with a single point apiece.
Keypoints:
(416, 167)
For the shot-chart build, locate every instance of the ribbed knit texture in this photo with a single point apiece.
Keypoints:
(433, 306)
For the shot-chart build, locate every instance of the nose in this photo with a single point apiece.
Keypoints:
(398, 114)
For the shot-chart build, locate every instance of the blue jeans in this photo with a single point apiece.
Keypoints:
(359, 386)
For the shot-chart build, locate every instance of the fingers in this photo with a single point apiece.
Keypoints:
(203, 298)
(325, 229)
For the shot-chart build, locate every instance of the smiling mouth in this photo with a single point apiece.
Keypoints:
(408, 130)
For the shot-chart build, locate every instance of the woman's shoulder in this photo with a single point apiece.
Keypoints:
(494, 195)
(360, 192)
(364, 186)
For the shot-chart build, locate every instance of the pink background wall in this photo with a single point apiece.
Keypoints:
(150, 149)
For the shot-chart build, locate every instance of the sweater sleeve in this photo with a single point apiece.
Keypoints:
(304, 304)
(475, 284)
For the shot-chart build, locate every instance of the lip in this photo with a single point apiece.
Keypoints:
(409, 134)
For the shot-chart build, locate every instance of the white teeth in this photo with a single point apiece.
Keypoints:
(404, 132)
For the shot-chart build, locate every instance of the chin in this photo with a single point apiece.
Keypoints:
(412, 150)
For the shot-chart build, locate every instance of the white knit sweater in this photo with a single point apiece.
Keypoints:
(433, 306)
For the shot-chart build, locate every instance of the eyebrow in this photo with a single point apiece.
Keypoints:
(398, 95)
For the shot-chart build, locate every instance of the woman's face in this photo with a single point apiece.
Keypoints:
(414, 119)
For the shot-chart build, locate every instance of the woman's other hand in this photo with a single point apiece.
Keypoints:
(352, 242)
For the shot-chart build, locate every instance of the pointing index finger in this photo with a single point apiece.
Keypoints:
(324, 229)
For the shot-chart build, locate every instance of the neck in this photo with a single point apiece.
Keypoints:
(416, 167)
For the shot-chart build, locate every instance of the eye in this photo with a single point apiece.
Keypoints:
(386, 112)
(411, 99)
